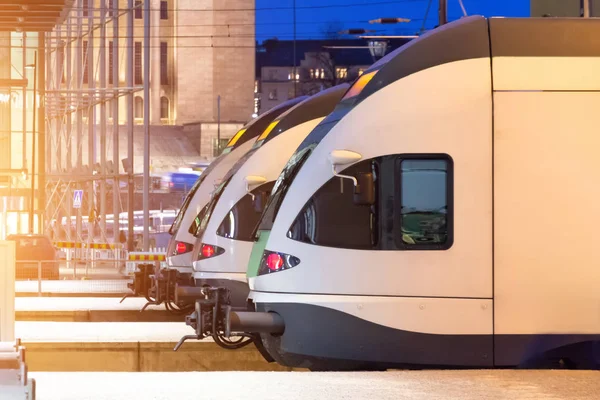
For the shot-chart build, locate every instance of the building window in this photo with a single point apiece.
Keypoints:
(341, 73)
(164, 10)
(138, 9)
(256, 86)
(139, 107)
(164, 63)
(85, 62)
(164, 108)
(110, 8)
(318, 73)
(290, 75)
(219, 145)
(290, 93)
(86, 8)
(425, 202)
(138, 63)
(110, 62)
(273, 94)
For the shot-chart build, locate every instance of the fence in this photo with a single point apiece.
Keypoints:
(94, 269)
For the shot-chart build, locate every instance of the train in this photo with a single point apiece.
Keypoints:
(435, 218)
(158, 286)
(225, 234)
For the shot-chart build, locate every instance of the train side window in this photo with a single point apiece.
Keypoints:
(240, 222)
(332, 219)
(424, 202)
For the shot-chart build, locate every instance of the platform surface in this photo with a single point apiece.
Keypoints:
(81, 304)
(394, 385)
(100, 332)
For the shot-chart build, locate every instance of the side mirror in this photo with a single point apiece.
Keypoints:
(343, 157)
(364, 191)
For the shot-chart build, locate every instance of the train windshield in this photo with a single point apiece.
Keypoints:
(188, 199)
(201, 221)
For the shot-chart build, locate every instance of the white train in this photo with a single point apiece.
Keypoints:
(179, 250)
(438, 216)
(225, 235)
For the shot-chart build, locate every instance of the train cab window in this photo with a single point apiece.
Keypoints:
(331, 218)
(240, 222)
(425, 203)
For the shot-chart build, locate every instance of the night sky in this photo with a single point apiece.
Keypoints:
(325, 22)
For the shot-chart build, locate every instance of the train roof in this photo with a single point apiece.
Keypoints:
(480, 37)
(257, 126)
(316, 106)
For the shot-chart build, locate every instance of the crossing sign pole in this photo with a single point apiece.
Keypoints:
(77, 198)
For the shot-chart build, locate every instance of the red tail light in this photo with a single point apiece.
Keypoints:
(182, 248)
(274, 261)
(209, 251)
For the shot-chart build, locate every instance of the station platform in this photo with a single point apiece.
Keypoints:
(392, 385)
(128, 347)
(90, 309)
(73, 288)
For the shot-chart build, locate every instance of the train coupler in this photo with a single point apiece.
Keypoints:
(214, 317)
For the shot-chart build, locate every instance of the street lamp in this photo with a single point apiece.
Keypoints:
(32, 199)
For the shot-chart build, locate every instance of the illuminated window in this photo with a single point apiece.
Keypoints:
(361, 71)
(341, 73)
(273, 94)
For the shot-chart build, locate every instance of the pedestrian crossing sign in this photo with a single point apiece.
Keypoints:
(77, 198)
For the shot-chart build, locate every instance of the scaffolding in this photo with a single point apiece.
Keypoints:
(82, 95)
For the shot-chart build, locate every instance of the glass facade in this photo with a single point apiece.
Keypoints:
(17, 55)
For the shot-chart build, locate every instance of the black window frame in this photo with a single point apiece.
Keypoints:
(400, 244)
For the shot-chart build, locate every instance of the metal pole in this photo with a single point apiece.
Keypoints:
(443, 12)
(218, 125)
(24, 103)
(79, 56)
(586, 6)
(115, 105)
(146, 124)
(130, 116)
(91, 122)
(69, 58)
(32, 199)
(103, 118)
(294, 55)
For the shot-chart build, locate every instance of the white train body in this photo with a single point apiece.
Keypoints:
(229, 230)
(200, 194)
(492, 123)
